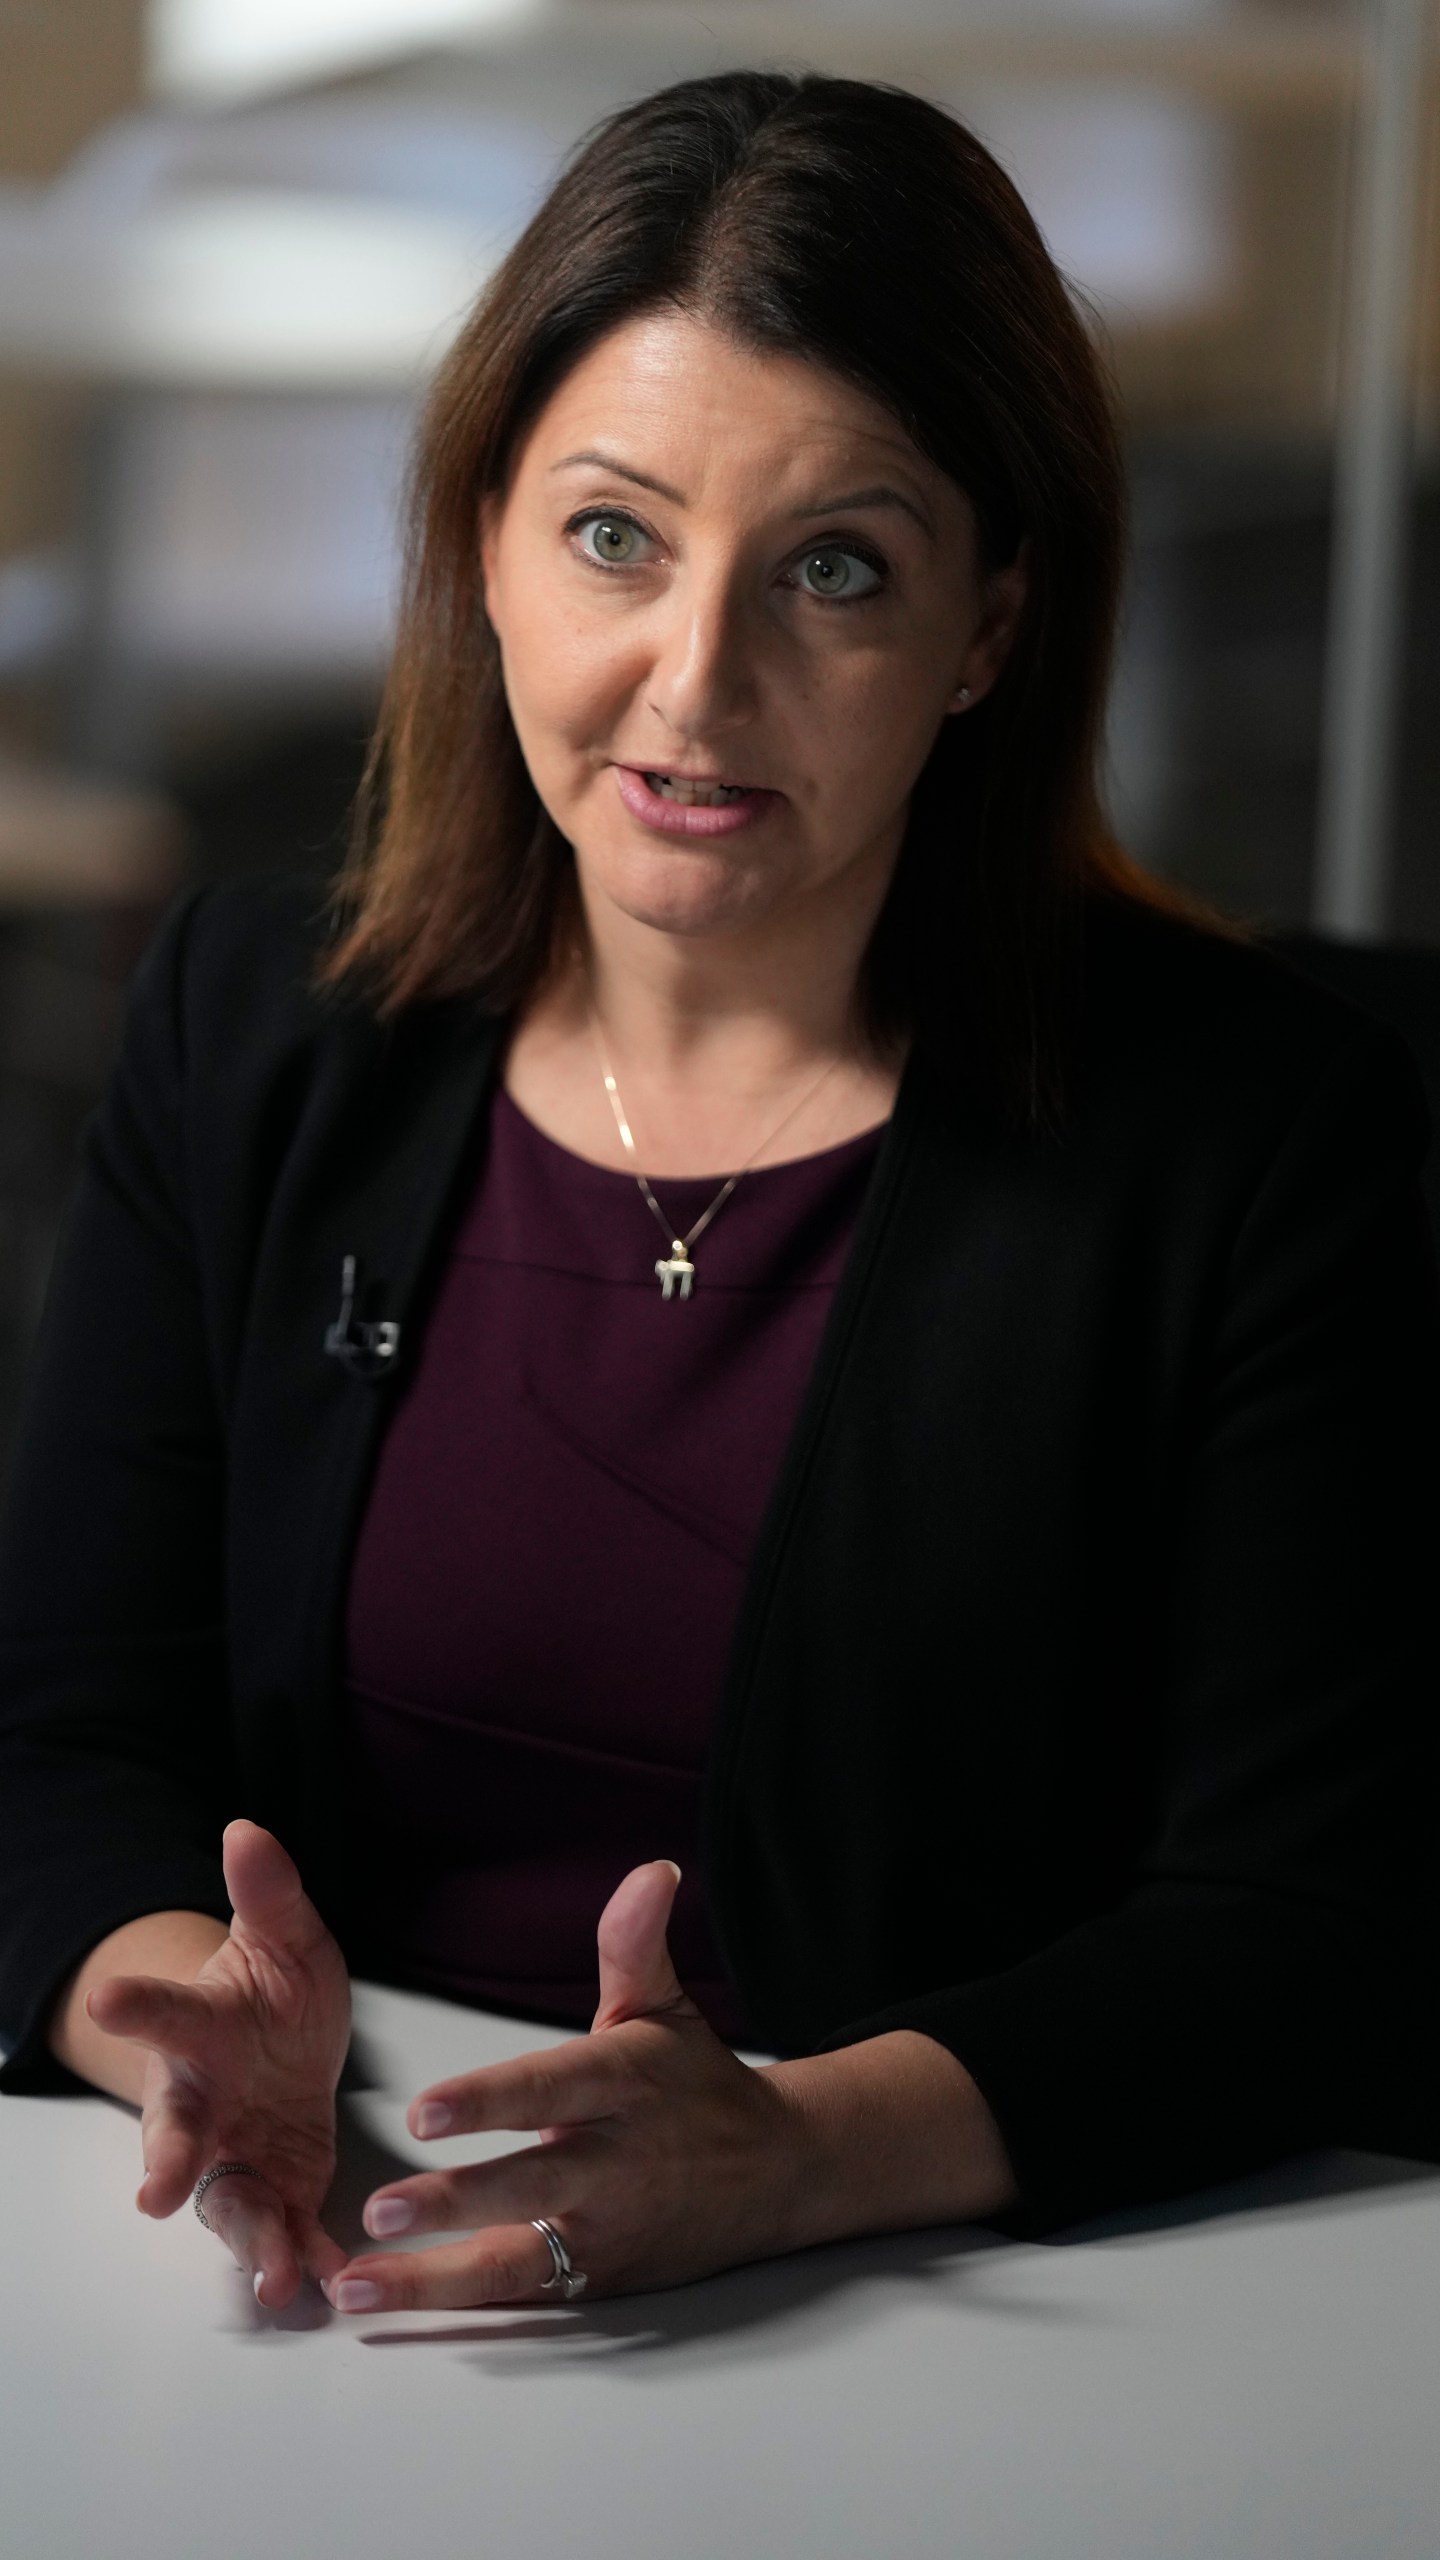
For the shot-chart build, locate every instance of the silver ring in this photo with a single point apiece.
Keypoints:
(564, 2277)
(222, 2169)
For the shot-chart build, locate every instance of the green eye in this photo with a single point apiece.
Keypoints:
(835, 572)
(611, 539)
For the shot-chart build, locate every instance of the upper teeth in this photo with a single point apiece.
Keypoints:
(695, 795)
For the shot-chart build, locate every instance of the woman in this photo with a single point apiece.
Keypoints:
(754, 1249)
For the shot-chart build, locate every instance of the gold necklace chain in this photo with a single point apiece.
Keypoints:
(677, 1268)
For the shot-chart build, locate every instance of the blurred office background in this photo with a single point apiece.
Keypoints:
(235, 234)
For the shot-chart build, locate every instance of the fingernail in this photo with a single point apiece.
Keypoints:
(674, 1870)
(259, 2284)
(387, 2214)
(432, 2119)
(354, 2294)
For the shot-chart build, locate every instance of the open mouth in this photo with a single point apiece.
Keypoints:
(696, 795)
(692, 805)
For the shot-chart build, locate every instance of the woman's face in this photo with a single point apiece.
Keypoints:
(734, 604)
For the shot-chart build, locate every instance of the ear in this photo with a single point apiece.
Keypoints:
(1005, 593)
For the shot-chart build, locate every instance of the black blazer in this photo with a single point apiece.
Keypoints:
(1081, 1709)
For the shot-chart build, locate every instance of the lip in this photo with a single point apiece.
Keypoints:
(672, 818)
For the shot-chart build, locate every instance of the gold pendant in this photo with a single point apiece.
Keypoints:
(679, 1267)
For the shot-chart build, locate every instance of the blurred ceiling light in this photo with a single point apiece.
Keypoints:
(259, 290)
(229, 48)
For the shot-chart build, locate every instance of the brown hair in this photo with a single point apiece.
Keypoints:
(859, 227)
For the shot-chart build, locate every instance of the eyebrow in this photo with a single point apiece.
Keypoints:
(881, 495)
(621, 471)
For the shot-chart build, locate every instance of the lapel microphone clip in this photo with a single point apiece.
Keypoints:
(366, 1350)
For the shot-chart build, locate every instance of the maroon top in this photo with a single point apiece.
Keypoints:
(551, 1561)
(554, 1552)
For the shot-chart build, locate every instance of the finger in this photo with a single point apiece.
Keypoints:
(141, 2009)
(248, 2216)
(176, 2140)
(506, 2266)
(269, 1901)
(319, 2255)
(573, 2083)
(636, 1974)
(526, 2186)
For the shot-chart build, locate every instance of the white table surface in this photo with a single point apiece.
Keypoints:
(1255, 2377)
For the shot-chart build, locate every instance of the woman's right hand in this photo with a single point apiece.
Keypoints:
(243, 2065)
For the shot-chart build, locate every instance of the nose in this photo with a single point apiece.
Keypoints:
(703, 676)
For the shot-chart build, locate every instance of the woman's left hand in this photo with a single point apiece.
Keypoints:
(662, 2157)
